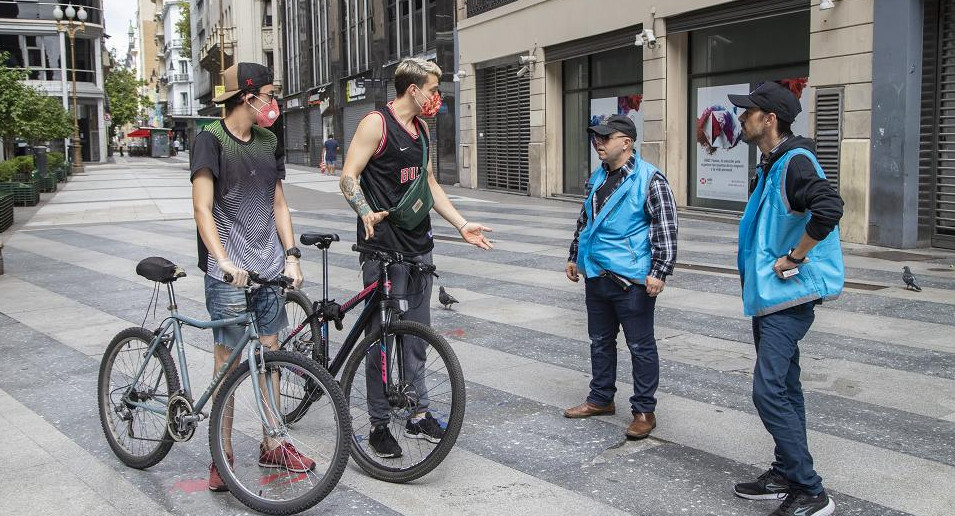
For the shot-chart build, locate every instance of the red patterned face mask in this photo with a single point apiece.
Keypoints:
(430, 106)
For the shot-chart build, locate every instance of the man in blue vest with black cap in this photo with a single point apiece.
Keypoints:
(789, 259)
(625, 247)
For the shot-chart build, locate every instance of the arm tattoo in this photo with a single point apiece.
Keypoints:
(355, 197)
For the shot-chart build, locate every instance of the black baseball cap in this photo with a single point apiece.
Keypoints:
(615, 123)
(771, 97)
(243, 77)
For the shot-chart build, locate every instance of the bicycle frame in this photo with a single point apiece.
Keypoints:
(175, 322)
(374, 294)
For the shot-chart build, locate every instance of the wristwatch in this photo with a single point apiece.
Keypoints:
(793, 259)
(294, 252)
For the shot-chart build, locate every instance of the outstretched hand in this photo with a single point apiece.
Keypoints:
(473, 233)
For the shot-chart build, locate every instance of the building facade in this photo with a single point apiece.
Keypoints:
(149, 59)
(879, 108)
(29, 35)
(238, 31)
(179, 109)
(340, 61)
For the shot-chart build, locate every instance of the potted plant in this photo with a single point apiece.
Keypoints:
(17, 177)
(56, 161)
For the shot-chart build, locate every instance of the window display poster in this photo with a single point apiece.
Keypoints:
(722, 157)
(601, 109)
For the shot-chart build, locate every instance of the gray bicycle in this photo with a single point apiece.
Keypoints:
(144, 409)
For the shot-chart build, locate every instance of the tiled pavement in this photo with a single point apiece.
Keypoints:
(879, 367)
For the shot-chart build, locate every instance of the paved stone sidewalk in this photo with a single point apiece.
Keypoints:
(878, 366)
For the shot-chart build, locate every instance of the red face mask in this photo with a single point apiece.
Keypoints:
(430, 106)
(266, 116)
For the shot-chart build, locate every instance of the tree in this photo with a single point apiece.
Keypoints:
(26, 112)
(45, 118)
(184, 31)
(126, 105)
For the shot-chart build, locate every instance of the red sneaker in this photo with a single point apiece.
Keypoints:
(285, 456)
(216, 484)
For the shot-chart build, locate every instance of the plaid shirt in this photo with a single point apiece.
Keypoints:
(660, 207)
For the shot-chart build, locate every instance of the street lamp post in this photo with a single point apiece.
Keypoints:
(75, 21)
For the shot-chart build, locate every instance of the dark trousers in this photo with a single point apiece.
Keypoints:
(416, 289)
(608, 308)
(777, 392)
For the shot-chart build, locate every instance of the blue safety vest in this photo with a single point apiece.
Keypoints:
(768, 230)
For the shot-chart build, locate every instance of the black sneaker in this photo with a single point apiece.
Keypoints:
(798, 503)
(426, 428)
(769, 486)
(383, 443)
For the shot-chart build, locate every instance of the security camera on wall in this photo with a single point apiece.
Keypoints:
(523, 71)
(647, 37)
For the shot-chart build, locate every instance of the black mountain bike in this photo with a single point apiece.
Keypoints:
(382, 361)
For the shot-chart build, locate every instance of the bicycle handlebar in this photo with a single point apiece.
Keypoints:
(280, 281)
(390, 257)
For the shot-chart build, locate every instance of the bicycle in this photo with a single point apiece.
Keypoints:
(144, 411)
(378, 362)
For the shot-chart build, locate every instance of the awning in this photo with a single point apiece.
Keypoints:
(139, 133)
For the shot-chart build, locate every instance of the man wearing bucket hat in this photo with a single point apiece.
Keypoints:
(789, 260)
(244, 225)
(625, 247)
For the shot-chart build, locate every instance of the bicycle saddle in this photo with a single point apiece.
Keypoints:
(159, 269)
(319, 240)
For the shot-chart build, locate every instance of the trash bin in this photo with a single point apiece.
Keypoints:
(40, 161)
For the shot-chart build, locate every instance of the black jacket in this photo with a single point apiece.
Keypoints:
(806, 191)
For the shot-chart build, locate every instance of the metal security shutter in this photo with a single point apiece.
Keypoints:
(353, 115)
(295, 134)
(829, 131)
(937, 160)
(316, 134)
(504, 131)
(733, 13)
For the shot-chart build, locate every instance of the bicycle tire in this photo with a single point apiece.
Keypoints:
(339, 456)
(169, 371)
(365, 459)
(298, 307)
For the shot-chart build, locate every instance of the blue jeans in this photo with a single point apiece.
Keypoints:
(608, 308)
(777, 392)
(224, 301)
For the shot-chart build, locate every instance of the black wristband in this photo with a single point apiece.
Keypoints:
(793, 259)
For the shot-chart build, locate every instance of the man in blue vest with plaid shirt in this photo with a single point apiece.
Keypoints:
(625, 247)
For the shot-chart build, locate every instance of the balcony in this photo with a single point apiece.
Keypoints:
(476, 7)
(209, 51)
(179, 78)
(175, 44)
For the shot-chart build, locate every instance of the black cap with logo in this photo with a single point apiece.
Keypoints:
(243, 77)
(613, 124)
(771, 97)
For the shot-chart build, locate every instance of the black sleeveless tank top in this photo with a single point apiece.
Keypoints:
(386, 178)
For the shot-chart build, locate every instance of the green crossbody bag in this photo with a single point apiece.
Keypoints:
(417, 202)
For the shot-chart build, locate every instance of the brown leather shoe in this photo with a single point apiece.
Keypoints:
(587, 409)
(643, 423)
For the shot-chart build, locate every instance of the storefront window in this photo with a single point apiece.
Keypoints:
(595, 87)
(734, 59)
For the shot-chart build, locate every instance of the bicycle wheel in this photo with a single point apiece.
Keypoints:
(272, 482)
(137, 436)
(294, 401)
(433, 382)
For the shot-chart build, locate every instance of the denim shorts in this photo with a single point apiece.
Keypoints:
(225, 301)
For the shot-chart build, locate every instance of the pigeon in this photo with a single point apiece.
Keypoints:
(445, 299)
(909, 280)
